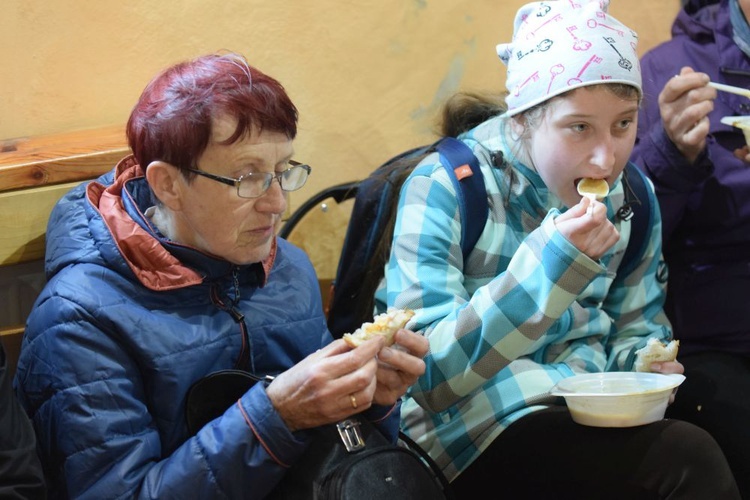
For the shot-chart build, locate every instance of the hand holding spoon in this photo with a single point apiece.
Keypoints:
(593, 189)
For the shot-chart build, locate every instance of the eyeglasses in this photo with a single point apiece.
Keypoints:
(254, 184)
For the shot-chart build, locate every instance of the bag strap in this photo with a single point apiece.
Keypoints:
(641, 216)
(210, 396)
(463, 170)
(413, 446)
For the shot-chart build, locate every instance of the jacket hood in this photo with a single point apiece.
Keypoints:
(696, 18)
(708, 26)
(104, 222)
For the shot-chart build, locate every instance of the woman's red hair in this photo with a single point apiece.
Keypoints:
(172, 119)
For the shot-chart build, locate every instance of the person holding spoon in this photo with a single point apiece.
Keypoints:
(541, 297)
(701, 170)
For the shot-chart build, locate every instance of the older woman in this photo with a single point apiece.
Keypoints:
(167, 270)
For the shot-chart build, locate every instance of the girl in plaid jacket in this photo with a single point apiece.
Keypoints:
(540, 298)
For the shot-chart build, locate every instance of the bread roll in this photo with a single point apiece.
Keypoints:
(654, 351)
(385, 324)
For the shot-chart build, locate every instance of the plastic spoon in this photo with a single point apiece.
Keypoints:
(730, 89)
(593, 189)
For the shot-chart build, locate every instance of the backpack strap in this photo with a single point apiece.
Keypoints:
(463, 170)
(376, 197)
(639, 210)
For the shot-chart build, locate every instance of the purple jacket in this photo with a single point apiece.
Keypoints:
(706, 206)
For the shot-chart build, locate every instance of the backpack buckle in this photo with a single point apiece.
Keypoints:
(351, 435)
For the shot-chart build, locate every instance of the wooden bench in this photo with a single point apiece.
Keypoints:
(34, 173)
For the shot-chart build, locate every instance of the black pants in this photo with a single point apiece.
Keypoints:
(716, 397)
(545, 455)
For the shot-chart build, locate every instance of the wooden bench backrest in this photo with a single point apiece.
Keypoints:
(34, 173)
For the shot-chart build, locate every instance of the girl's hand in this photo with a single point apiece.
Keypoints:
(667, 367)
(400, 366)
(591, 232)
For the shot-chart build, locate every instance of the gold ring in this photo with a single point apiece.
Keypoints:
(353, 400)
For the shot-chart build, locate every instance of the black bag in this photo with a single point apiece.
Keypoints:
(370, 226)
(349, 460)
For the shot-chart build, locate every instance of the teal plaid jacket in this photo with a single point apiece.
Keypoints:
(524, 310)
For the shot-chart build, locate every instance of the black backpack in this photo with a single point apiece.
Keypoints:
(368, 235)
(370, 229)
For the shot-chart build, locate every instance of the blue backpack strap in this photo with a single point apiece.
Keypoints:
(641, 219)
(463, 170)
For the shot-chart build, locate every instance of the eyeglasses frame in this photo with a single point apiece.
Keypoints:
(229, 181)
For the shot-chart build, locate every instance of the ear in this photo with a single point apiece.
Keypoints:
(517, 125)
(167, 183)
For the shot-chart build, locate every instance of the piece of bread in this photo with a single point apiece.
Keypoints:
(654, 351)
(385, 324)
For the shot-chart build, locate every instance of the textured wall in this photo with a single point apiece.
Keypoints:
(367, 75)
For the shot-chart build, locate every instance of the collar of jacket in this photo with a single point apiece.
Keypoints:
(692, 6)
(145, 252)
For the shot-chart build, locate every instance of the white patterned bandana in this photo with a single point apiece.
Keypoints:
(560, 45)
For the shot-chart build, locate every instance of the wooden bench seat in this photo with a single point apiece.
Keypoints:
(34, 173)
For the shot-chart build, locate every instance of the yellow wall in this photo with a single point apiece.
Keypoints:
(367, 75)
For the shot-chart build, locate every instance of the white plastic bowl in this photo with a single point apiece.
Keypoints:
(617, 399)
(741, 122)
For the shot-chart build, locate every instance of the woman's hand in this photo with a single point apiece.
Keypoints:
(328, 385)
(684, 104)
(743, 153)
(399, 366)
